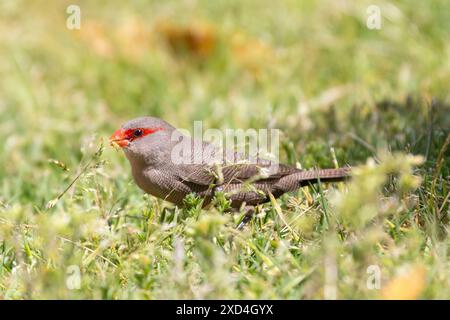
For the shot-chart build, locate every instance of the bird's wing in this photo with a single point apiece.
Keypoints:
(214, 175)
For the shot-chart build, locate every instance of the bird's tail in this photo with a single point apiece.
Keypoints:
(324, 175)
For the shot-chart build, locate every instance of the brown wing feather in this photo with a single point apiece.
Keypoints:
(244, 183)
(203, 175)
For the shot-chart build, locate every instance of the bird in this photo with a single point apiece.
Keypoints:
(149, 144)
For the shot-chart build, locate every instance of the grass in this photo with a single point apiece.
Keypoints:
(341, 94)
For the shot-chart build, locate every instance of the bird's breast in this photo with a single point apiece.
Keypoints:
(160, 185)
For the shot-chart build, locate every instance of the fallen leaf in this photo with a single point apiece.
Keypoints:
(407, 286)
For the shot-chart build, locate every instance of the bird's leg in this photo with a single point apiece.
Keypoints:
(249, 211)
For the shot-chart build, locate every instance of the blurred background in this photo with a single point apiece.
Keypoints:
(301, 66)
(339, 91)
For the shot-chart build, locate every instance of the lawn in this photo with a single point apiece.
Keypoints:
(73, 225)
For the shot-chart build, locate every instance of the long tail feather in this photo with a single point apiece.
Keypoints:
(324, 175)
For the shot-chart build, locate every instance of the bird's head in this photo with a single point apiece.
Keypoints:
(142, 137)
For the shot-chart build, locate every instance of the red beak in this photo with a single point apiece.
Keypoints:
(120, 138)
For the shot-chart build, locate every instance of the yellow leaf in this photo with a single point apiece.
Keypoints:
(406, 287)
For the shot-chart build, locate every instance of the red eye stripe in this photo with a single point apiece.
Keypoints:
(136, 133)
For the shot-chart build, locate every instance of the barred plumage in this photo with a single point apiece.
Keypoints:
(251, 183)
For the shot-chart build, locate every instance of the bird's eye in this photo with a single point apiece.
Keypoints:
(137, 132)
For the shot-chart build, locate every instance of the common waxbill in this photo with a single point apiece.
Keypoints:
(148, 144)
